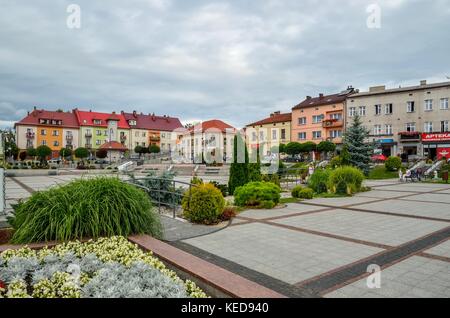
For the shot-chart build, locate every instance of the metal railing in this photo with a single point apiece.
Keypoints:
(172, 198)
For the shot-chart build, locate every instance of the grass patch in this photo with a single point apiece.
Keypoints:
(100, 207)
(380, 173)
(289, 200)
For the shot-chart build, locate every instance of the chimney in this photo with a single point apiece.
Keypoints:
(423, 83)
(308, 97)
(134, 113)
(122, 112)
(320, 95)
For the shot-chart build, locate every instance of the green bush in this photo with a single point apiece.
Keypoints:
(296, 191)
(318, 181)
(345, 180)
(203, 204)
(273, 178)
(257, 194)
(196, 180)
(306, 193)
(222, 187)
(100, 207)
(393, 163)
(335, 162)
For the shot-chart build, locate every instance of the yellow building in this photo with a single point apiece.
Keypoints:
(269, 132)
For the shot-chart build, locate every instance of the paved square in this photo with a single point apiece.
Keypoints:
(289, 210)
(440, 250)
(415, 277)
(383, 229)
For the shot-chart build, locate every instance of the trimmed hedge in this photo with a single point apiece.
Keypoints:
(258, 194)
(203, 204)
(302, 193)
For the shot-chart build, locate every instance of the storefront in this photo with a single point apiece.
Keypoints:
(386, 147)
(436, 145)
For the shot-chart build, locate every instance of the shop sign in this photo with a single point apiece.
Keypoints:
(443, 153)
(426, 137)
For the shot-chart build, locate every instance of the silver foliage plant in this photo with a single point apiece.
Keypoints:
(109, 280)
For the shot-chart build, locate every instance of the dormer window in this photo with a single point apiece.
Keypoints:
(132, 123)
(97, 122)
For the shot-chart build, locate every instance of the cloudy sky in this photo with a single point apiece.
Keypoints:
(197, 59)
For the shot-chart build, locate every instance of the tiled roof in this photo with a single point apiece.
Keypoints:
(320, 101)
(273, 119)
(113, 145)
(153, 122)
(212, 124)
(87, 119)
(68, 119)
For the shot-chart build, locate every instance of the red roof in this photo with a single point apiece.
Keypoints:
(211, 125)
(87, 119)
(113, 145)
(273, 119)
(153, 122)
(68, 119)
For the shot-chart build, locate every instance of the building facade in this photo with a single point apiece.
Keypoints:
(210, 141)
(413, 121)
(55, 129)
(94, 132)
(320, 118)
(149, 130)
(269, 132)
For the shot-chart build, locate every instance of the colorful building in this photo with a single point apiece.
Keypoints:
(269, 132)
(94, 129)
(148, 130)
(55, 129)
(320, 118)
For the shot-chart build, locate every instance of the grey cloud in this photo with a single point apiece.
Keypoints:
(233, 60)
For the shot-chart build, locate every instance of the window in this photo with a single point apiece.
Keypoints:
(254, 136)
(302, 121)
(428, 105)
(132, 123)
(444, 103)
(317, 119)
(274, 134)
(428, 127)
(43, 132)
(388, 129)
(336, 134)
(301, 136)
(444, 126)
(337, 116)
(410, 107)
(317, 134)
(411, 127)
(362, 111)
(261, 135)
(377, 130)
(99, 132)
(97, 122)
(377, 110)
(388, 109)
(44, 142)
(56, 143)
(352, 112)
(136, 134)
(98, 142)
(55, 133)
(283, 134)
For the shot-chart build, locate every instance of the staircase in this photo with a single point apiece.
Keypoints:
(436, 166)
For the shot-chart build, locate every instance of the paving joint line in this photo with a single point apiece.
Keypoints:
(23, 185)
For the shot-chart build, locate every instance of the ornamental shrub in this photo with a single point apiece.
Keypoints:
(345, 180)
(222, 187)
(203, 204)
(273, 178)
(100, 207)
(296, 191)
(306, 193)
(257, 194)
(393, 163)
(318, 181)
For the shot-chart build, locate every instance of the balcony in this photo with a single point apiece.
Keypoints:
(88, 134)
(123, 138)
(332, 123)
(88, 146)
(410, 136)
(30, 135)
(69, 138)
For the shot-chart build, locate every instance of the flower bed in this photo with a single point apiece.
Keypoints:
(105, 268)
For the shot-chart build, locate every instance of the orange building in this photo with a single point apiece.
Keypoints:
(320, 118)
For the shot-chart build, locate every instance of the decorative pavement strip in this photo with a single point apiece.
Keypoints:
(250, 274)
(435, 257)
(23, 185)
(328, 282)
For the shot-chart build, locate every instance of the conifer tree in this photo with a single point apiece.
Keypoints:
(356, 142)
(239, 174)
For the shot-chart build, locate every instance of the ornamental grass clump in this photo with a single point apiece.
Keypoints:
(99, 207)
(345, 180)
